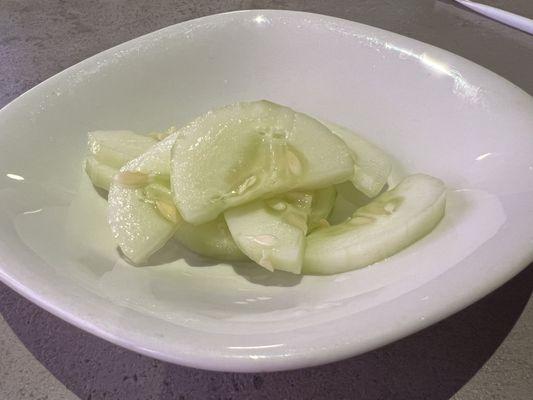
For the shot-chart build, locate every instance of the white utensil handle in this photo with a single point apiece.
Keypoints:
(514, 20)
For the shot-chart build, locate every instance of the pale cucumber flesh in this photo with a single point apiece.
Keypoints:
(116, 148)
(272, 232)
(109, 151)
(155, 160)
(139, 227)
(323, 202)
(251, 180)
(348, 200)
(142, 225)
(391, 222)
(100, 174)
(247, 151)
(372, 166)
(212, 239)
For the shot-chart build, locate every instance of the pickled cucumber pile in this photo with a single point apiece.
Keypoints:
(257, 181)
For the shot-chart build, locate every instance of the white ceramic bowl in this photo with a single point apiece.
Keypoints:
(433, 111)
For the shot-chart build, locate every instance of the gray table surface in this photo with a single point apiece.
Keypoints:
(483, 352)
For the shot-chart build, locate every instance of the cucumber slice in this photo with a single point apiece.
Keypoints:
(272, 232)
(348, 200)
(245, 151)
(155, 160)
(101, 175)
(116, 148)
(140, 224)
(371, 165)
(143, 217)
(378, 230)
(323, 202)
(212, 239)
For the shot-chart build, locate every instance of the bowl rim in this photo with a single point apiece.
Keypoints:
(271, 362)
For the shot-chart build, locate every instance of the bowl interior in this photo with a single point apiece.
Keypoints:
(433, 112)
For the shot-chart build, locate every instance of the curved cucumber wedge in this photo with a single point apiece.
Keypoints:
(272, 232)
(212, 239)
(323, 202)
(140, 224)
(236, 154)
(116, 148)
(348, 200)
(143, 217)
(100, 174)
(383, 227)
(371, 165)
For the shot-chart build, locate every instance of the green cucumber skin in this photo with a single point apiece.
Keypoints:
(345, 247)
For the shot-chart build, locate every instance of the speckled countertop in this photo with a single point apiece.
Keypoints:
(483, 352)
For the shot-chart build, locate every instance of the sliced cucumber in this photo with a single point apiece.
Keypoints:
(143, 217)
(155, 160)
(272, 232)
(212, 239)
(141, 224)
(101, 175)
(116, 148)
(348, 200)
(371, 165)
(245, 151)
(323, 202)
(383, 227)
